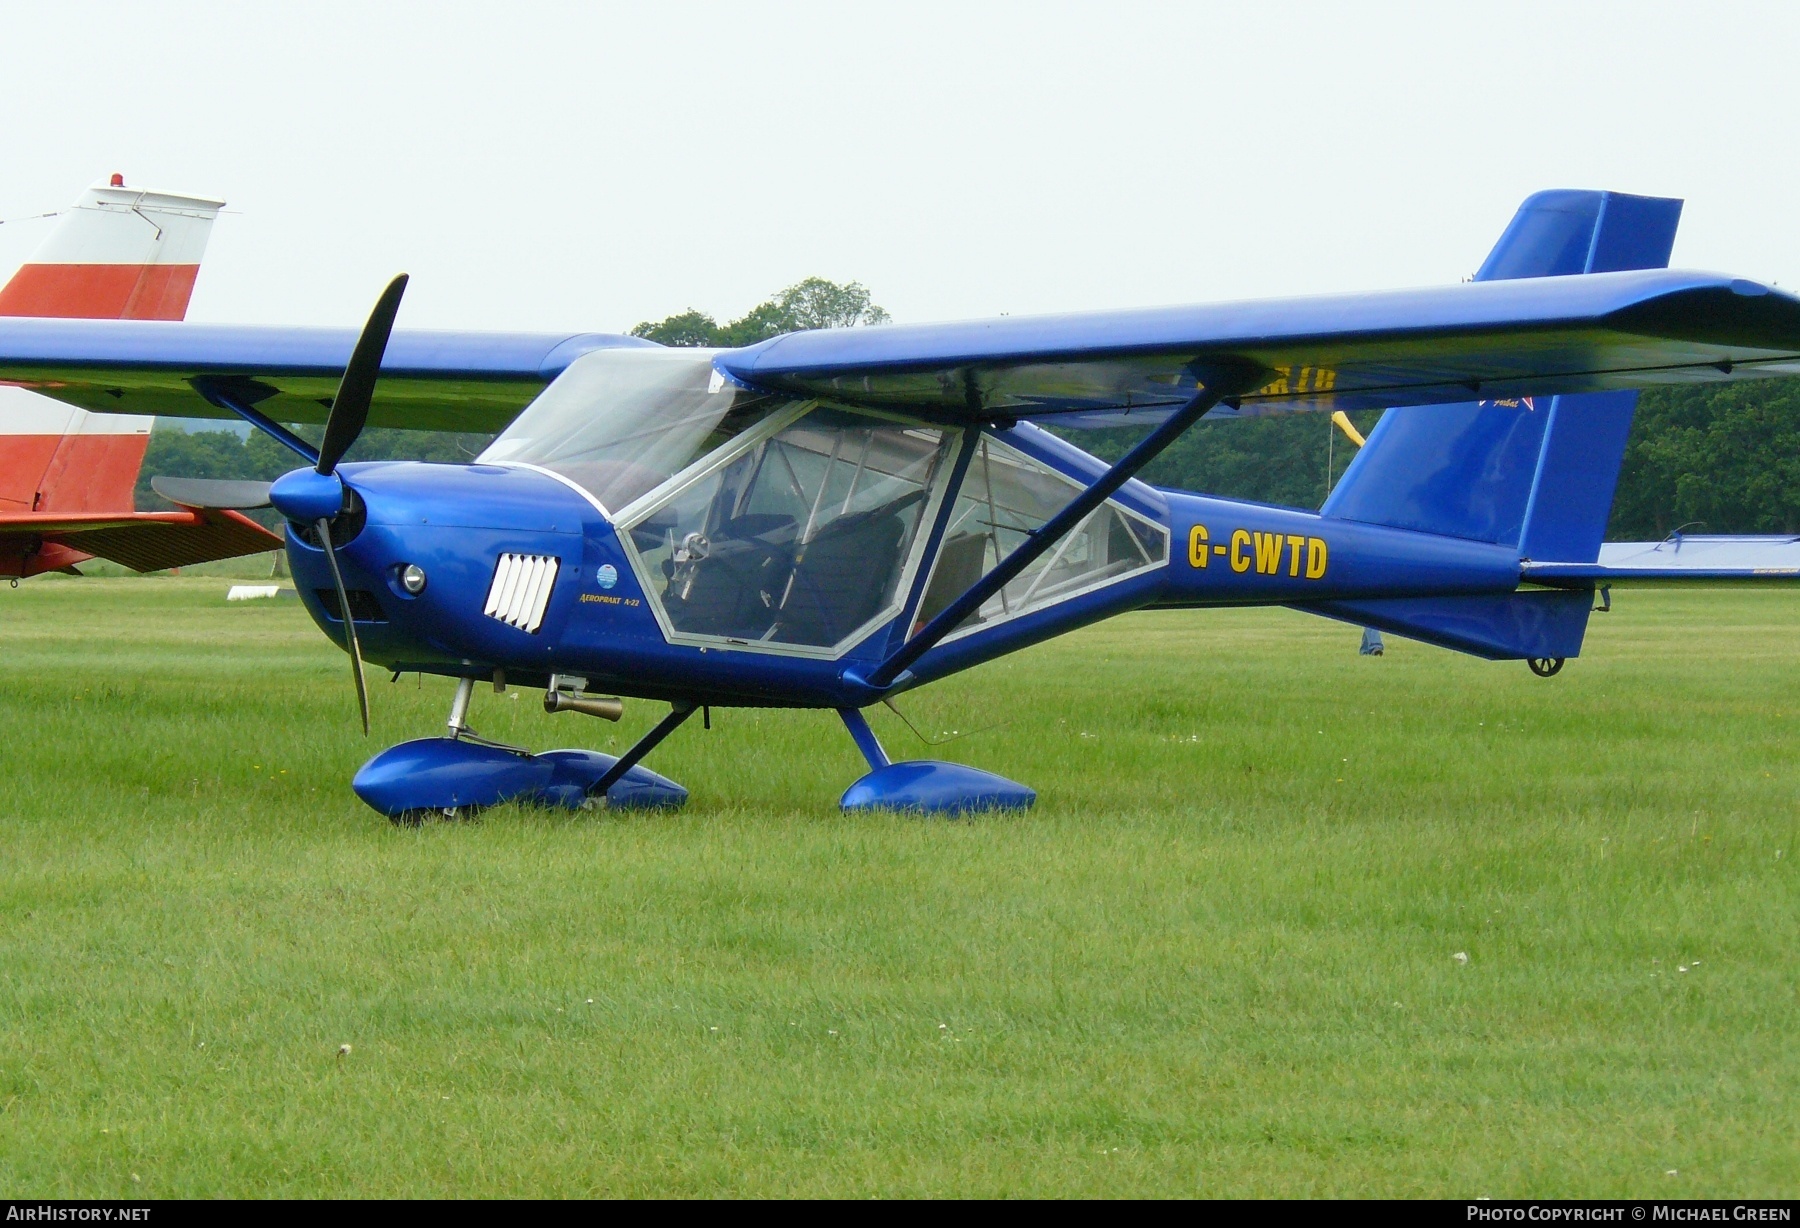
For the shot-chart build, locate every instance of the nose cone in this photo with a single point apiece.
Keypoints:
(307, 495)
(451, 522)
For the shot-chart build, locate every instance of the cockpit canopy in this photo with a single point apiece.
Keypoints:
(785, 525)
(620, 422)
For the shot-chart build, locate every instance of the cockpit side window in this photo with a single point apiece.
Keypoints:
(800, 540)
(1006, 497)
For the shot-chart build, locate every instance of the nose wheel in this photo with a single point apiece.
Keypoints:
(1546, 667)
(433, 814)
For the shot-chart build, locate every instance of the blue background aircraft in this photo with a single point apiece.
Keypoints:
(827, 519)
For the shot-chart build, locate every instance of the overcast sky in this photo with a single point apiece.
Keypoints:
(586, 166)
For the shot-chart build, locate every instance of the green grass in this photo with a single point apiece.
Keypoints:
(1217, 959)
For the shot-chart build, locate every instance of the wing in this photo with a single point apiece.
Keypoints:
(1495, 339)
(143, 541)
(1679, 560)
(443, 381)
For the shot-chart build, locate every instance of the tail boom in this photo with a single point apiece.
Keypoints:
(1225, 552)
(1449, 591)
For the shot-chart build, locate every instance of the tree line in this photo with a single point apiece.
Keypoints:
(1721, 458)
(812, 303)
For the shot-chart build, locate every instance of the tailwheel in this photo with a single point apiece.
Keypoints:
(1546, 667)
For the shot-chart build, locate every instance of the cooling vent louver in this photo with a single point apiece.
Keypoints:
(521, 590)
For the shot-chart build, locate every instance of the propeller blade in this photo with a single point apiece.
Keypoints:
(212, 494)
(350, 408)
(350, 642)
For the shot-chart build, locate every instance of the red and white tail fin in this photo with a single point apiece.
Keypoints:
(66, 476)
(118, 253)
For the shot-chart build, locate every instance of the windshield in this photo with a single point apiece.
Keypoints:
(620, 422)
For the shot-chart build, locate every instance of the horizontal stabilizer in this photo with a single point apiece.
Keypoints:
(143, 541)
(1500, 627)
(212, 492)
(1679, 559)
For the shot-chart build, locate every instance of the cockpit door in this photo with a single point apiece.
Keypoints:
(800, 540)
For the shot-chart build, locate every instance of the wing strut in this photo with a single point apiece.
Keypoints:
(231, 395)
(1217, 384)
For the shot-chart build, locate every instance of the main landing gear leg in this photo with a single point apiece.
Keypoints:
(923, 785)
(458, 723)
(668, 725)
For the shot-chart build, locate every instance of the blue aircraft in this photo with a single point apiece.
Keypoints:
(827, 519)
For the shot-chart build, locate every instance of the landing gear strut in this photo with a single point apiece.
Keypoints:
(458, 775)
(668, 725)
(923, 785)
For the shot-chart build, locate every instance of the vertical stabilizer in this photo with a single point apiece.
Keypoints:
(118, 253)
(1534, 473)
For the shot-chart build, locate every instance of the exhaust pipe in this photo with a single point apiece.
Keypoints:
(606, 707)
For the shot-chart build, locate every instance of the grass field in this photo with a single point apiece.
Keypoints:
(1219, 958)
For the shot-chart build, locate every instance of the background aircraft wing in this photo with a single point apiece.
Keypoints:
(143, 541)
(1492, 339)
(441, 381)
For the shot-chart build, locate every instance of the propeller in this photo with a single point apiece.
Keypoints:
(350, 641)
(350, 407)
(319, 496)
(349, 414)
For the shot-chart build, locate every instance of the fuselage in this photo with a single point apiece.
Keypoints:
(527, 573)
